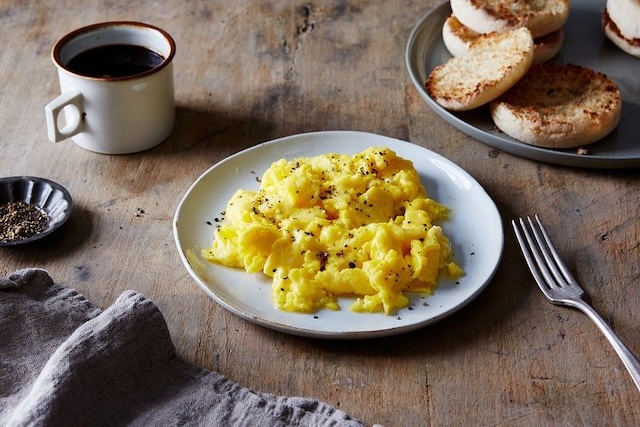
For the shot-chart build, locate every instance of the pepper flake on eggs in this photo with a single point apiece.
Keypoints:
(338, 225)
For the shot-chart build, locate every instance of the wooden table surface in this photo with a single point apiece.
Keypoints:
(251, 71)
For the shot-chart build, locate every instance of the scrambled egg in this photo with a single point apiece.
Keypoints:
(338, 225)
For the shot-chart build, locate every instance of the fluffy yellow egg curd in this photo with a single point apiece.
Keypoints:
(338, 225)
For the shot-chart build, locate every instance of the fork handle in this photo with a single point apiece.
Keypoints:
(630, 361)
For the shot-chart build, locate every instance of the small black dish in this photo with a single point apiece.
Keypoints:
(50, 197)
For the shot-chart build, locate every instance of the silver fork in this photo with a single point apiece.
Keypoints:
(559, 286)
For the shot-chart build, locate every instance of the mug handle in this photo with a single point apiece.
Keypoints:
(52, 111)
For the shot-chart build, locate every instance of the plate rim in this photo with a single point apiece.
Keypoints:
(503, 143)
(318, 333)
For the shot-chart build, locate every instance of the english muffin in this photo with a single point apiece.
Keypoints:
(621, 24)
(458, 37)
(484, 16)
(493, 63)
(559, 106)
(547, 46)
(626, 15)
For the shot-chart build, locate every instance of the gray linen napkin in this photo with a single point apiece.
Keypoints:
(65, 362)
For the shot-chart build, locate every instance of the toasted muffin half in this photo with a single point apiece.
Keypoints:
(559, 106)
(457, 38)
(493, 63)
(629, 45)
(484, 16)
(626, 15)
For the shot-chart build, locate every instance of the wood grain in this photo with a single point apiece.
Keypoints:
(250, 71)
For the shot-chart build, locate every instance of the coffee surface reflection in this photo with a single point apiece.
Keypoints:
(115, 60)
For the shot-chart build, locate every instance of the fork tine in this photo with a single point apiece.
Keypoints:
(545, 258)
(532, 259)
(553, 258)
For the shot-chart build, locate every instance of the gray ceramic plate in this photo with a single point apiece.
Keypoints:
(584, 44)
(48, 196)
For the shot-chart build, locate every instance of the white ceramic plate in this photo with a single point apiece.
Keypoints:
(475, 230)
(584, 44)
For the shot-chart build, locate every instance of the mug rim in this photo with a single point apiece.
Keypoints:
(64, 40)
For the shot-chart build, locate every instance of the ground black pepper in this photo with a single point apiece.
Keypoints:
(20, 220)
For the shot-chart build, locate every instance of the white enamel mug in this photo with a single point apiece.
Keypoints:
(113, 115)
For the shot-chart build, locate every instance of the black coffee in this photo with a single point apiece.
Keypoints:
(116, 60)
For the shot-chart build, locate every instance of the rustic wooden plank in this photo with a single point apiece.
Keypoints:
(250, 71)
